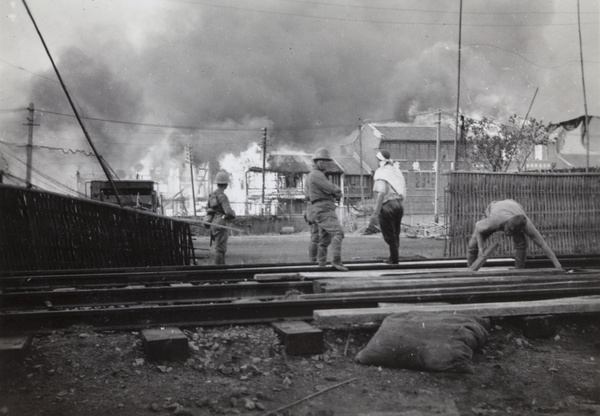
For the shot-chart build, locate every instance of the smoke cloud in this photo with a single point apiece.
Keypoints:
(213, 75)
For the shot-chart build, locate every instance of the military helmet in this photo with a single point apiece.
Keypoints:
(322, 154)
(222, 178)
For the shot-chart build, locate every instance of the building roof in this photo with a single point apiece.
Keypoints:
(298, 163)
(351, 165)
(580, 160)
(415, 133)
(289, 163)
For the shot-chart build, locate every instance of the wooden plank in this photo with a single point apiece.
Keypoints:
(477, 264)
(361, 274)
(573, 288)
(342, 317)
(349, 285)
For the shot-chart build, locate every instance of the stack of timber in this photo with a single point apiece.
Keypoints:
(485, 293)
(333, 318)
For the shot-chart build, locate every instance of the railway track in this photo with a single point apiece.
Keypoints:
(193, 296)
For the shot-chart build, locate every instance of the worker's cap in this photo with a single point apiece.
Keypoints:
(384, 155)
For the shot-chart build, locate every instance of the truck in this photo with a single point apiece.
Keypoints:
(139, 194)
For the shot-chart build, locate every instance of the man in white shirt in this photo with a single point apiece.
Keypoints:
(389, 190)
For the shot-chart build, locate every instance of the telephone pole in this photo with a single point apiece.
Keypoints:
(455, 165)
(360, 156)
(31, 124)
(586, 132)
(264, 165)
(191, 160)
(437, 167)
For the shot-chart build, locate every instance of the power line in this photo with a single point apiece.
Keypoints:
(65, 151)
(29, 72)
(47, 178)
(525, 59)
(170, 126)
(13, 110)
(350, 6)
(344, 19)
(200, 128)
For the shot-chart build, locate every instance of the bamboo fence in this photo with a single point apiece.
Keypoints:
(565, 208)
(46, 231)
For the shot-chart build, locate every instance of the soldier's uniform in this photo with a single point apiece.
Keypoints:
(219, 207)
(323, 194)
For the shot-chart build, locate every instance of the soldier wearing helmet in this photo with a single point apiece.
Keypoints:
(322, 195)
(219, 212)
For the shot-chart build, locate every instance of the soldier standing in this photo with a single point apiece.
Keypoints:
(322, 194)
(222, 213)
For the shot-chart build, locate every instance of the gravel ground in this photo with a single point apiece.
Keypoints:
(245, 369)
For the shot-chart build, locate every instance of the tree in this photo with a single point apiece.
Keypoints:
(494, 147)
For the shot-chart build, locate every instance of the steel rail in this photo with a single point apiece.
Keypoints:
(244, 312)
(157, 294)
(235, 273)
(568, 261)
(182, 295)
(136, 294)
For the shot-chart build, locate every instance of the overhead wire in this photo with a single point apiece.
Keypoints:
(62, 149)
(522, 57)
(290, 129)
(345, 19)
(47, 178)
(372, 7)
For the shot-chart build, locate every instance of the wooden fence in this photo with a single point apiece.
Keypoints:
(46, 231)
(565, 208)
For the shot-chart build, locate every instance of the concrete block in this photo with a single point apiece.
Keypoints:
(165, 344)
(538, 326)
(299, 337)
(14, 348)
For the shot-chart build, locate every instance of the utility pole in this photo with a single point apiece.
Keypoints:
(586, 131)
(264, 165)
(30, 143)
(103, 164)
(191, 160)
(455, 163)
(360, 155)
(437, 167)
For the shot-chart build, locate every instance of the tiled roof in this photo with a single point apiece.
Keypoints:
(289, 163)
(298, 163)
(333, 167)
(416, 133)
(351, 166)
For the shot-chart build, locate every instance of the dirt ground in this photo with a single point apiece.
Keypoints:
(245, 369)
(294, 248)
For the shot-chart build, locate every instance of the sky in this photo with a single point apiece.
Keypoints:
(150, 77)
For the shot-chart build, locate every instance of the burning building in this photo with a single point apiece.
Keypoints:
(284, 181)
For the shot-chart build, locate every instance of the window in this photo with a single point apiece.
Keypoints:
(541, 152)
(431, 153)
(402, 154)
(424, 180)
(395, 150)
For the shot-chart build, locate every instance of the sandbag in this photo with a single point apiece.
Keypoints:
(427, 341)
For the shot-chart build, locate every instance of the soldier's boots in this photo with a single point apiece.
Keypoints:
(336, 248)
(313, 249)
(219, 258)
(337, 264)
